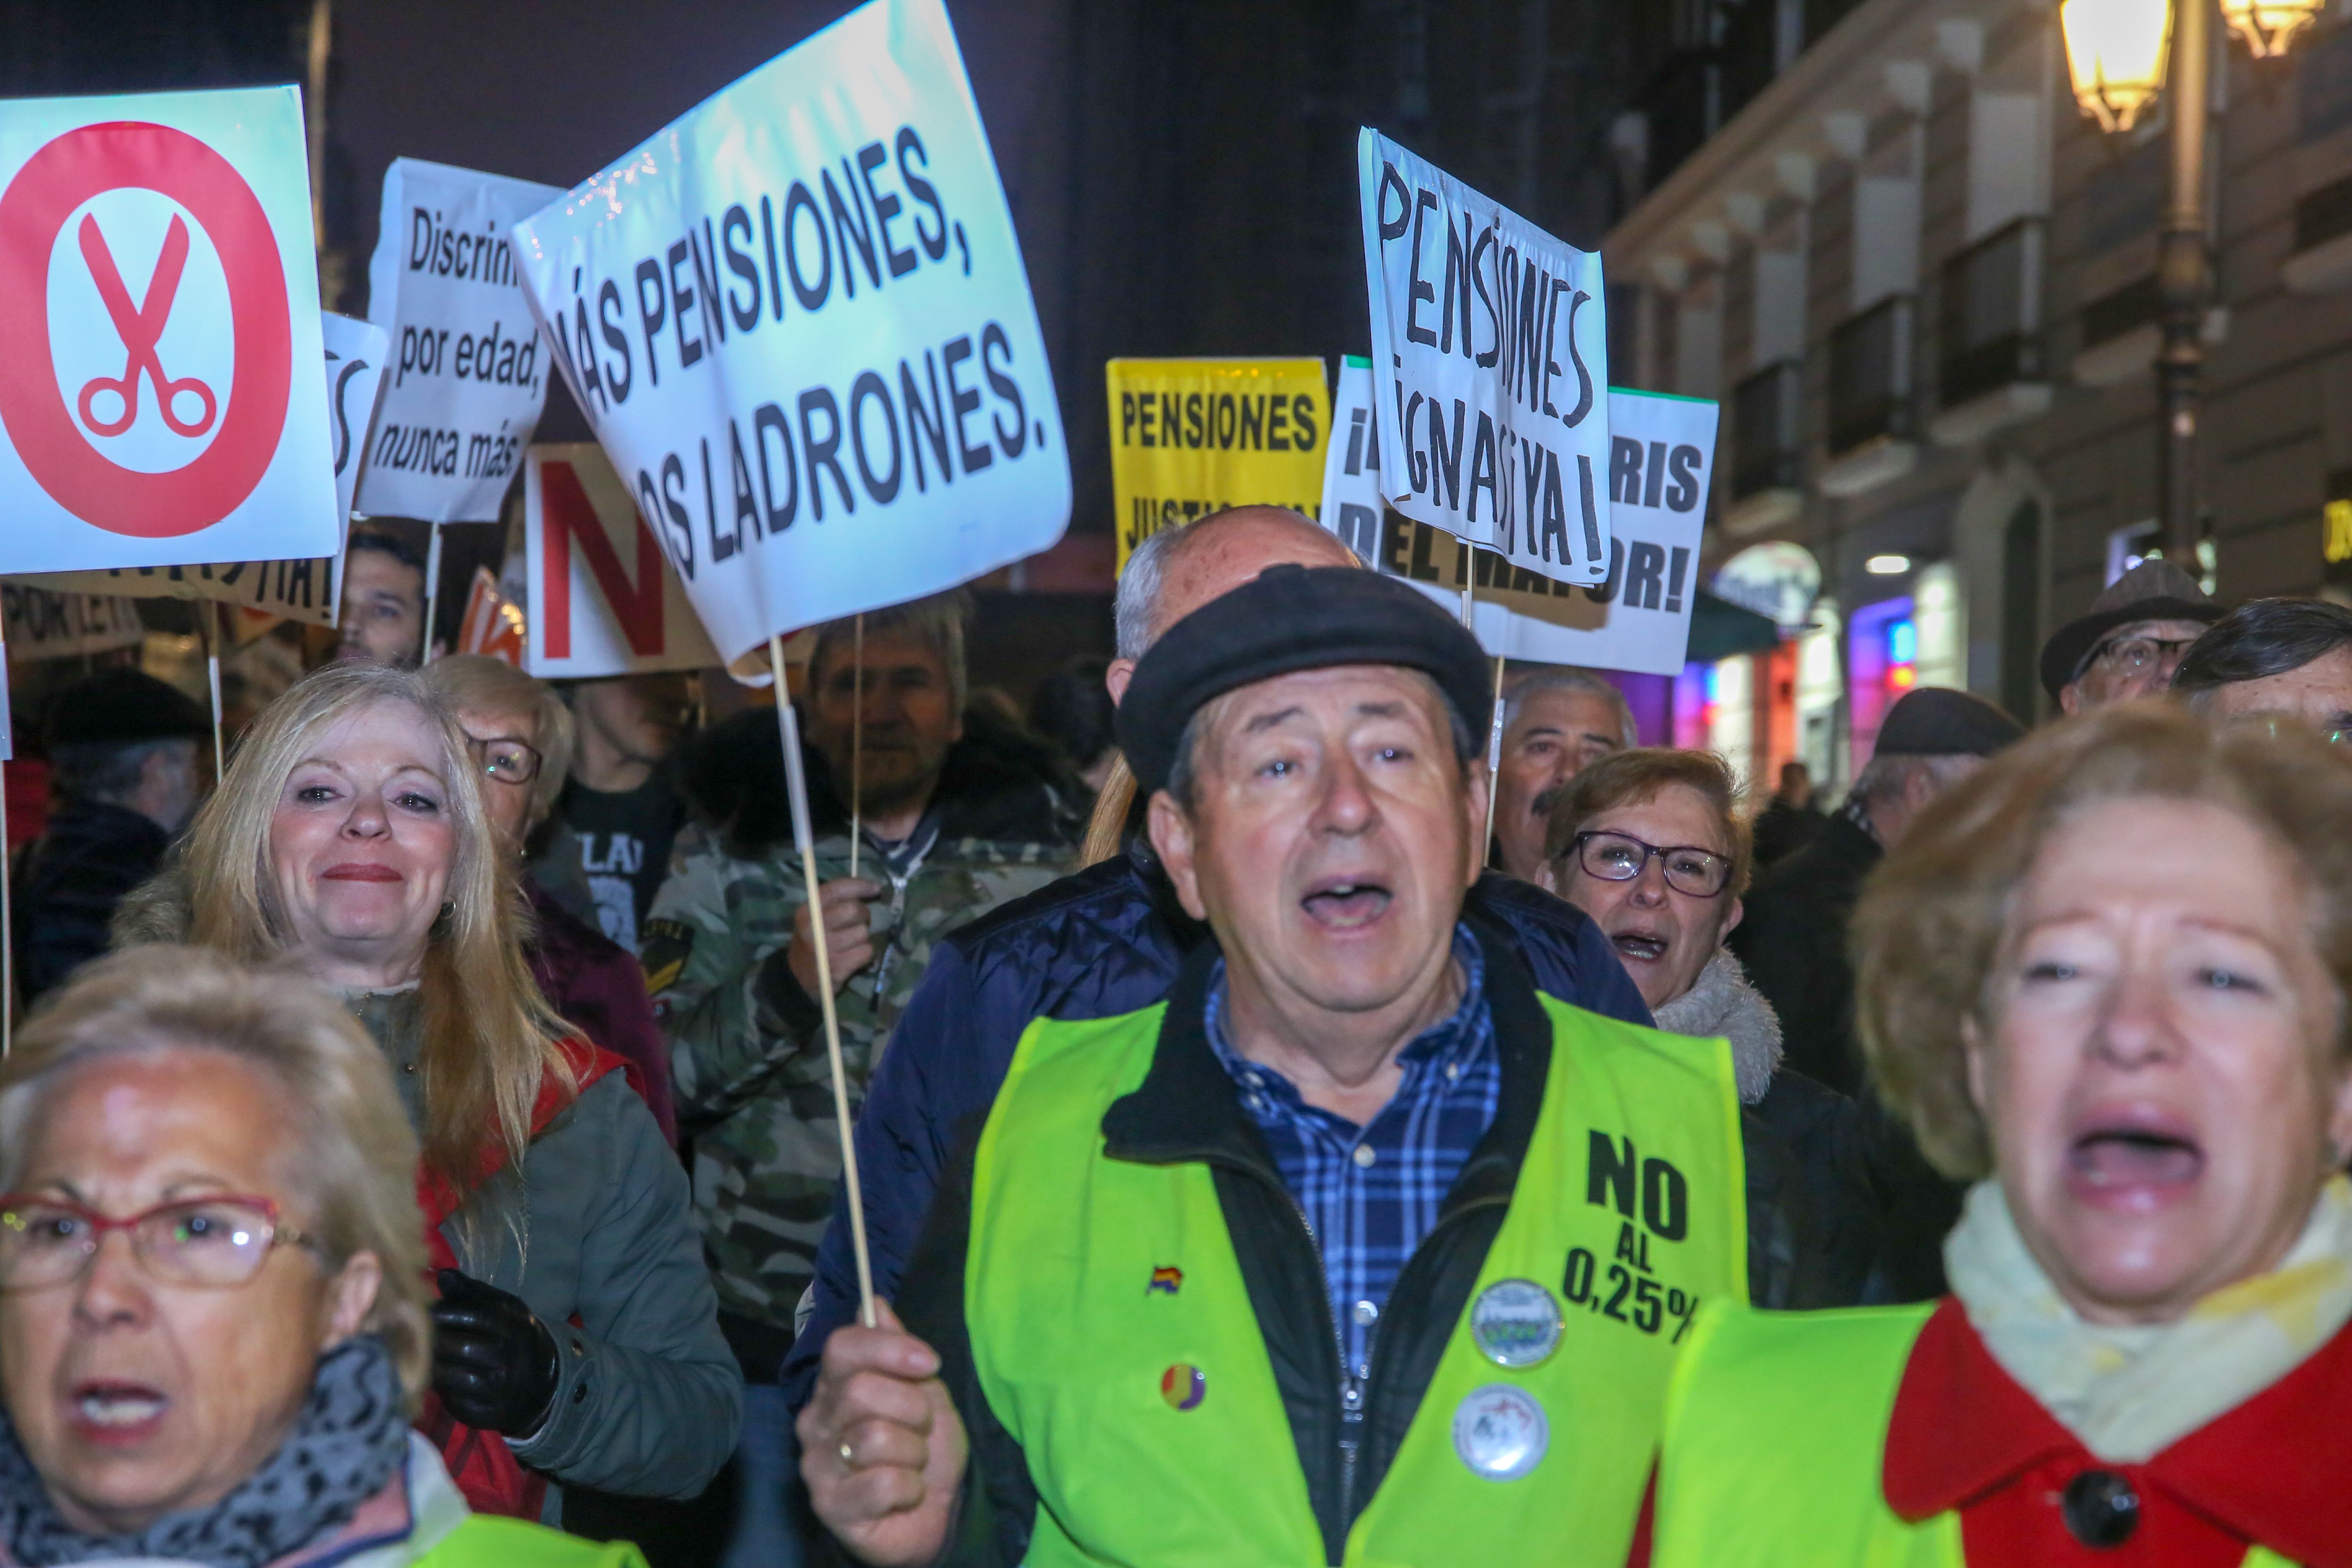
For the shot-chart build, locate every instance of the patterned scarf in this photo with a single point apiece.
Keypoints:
(346, 1445)
(2127, 1393)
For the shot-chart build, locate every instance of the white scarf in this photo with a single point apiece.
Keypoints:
(1722, 1002)
(2129, 1392)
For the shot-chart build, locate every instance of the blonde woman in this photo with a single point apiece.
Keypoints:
(575, 1336)
(2105, 979)
(231, 1383)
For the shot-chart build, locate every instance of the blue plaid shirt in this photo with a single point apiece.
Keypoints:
(1371, 1194)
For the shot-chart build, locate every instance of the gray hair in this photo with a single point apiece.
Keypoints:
(1563, 678)
(1135, 610)
(939, 620)
(1884, 776)
(354, 1156)
(108, 771)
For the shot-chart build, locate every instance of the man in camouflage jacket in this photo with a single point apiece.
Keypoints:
(981, 815)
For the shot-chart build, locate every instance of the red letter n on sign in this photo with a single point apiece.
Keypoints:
(569, 516)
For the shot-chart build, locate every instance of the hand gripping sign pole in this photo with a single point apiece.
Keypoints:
(796, 790)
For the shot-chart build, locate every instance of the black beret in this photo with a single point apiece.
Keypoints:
(1286, 619)
(1936, 721)
(120, 706)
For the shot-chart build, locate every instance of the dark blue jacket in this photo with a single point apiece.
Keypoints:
(1105, 941)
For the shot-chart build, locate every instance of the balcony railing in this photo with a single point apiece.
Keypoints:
(1870, 376)
(1989, 331)
(1766, 429)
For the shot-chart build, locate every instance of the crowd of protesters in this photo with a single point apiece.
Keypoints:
(1260, 1159)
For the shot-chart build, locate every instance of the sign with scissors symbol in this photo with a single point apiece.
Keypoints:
(140, 326)
(232, 459)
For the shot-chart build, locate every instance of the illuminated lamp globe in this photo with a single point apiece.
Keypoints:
(2269, 26)
(2117, 51)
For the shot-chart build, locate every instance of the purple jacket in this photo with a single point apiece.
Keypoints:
(595, 984)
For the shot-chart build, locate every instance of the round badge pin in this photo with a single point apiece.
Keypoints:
(1515, 1323)
(1183, 1386)
(1500, 1432)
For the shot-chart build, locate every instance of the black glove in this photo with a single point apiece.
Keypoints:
(494, 1364)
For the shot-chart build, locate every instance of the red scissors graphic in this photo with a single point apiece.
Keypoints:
(141, 327)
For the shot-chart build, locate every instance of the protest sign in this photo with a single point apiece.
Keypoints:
(288, 590)
(1661, 460)
(600, 598)
(1190, 436)
(36, 624)
(1490, 354)
(157, 301)
(799, 322)
(468, 372)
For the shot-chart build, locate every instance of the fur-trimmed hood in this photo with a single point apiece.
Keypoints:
(1723, 1003)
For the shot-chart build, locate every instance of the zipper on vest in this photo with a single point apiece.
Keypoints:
(1352, 1387)
(1375, 1392)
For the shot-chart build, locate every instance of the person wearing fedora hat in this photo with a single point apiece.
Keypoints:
(2130, 640)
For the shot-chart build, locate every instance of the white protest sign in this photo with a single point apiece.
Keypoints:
(290, 590)
(601, 600)
(159, 329)
(1661, 462)
(1490, 351)
(799, 322)
(36, 624)
(469, 375)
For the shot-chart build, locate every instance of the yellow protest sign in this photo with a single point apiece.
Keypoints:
(1189, 437)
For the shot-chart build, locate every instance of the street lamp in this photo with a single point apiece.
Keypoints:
(2117, 51)
(2268, 27)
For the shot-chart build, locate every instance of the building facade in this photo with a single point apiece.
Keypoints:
(1924, 288)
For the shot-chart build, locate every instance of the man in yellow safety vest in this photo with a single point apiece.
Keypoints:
(1356, 1249)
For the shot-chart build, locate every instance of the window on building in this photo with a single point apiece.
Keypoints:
(1989, 334)
(1870, 376)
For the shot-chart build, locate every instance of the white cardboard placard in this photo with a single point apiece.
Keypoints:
(1662, 460)
(467, 374)
(799, 322)
(1490, 354)
(158, 320)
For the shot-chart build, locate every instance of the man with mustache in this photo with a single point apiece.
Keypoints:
(1555, 723)
(1357, 1244)
(956, 814)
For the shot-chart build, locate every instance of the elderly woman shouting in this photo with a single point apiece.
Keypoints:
(213, 1321)
(575, 1333)
(1651, 844)
(2108, 977)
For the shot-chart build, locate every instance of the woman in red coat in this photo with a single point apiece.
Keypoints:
(2108, 978)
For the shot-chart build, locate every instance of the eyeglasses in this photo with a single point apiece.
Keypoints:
(506, 759)
(1621, 857)
(2137, 656)
(215, 1242)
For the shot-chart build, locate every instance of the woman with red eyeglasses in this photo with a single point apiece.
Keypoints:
(214, 1318)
